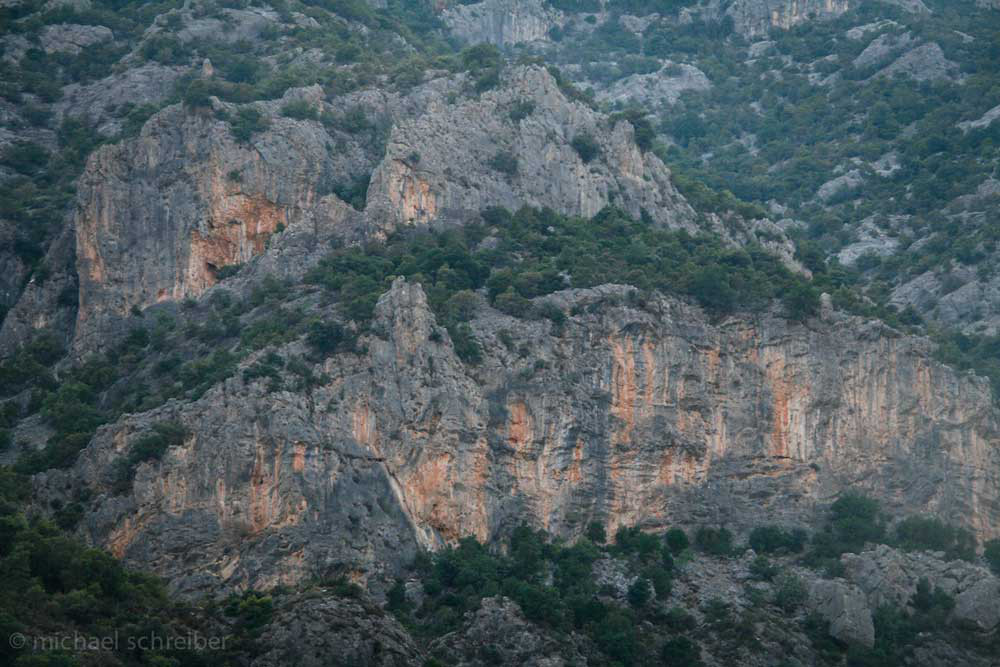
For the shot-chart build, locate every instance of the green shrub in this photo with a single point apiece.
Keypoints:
(597, 535)
(854, 521)
(504, 162)
(150, 447)
(618, 638)
(353, 121)
(586, 147)
(772, 539)
(677, 540)
(790, 593)
(198, 94)
(25, 157)
(521, 110)
(632, 540)
(762, 569)
(661, 580)
(681, 652)
(679, 620)
(638, 593)
(325, 337)
(918, 533)
(300, 109)
(714, 541)
(247, 122)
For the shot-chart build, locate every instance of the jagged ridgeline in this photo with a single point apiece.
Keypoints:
(544, 332)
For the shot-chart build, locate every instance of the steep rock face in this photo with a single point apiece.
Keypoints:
(757, 17)
(653, 417)
(158, 216)
(97, 102)
(48, 303)
(438, 167)
(502, 22)
(13, 270)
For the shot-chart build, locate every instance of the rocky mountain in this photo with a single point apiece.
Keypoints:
(643, 332)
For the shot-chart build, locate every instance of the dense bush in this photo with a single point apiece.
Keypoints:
(854, 521)
(714, 541)
(677, 540)
(247, 122)
(504, 162)
(150, 447)
(553, 583)
(917, 533)
(772, 539)
(535, 253)
(586, 147)
(60, 587)
(300, 109)
(681, 652)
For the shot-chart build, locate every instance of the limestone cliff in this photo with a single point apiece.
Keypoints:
(757, 17)
(503, 22)
(650, 416)
(160, 216)
(441, 166)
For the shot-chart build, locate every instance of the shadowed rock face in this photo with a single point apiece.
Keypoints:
(654, 417)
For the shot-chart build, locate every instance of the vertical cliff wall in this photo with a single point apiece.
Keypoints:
(653, 417)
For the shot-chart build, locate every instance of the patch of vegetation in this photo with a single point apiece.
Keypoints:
(150, 447)
(771, 539)
(538, 250)
(505, 162)
(586, 147)
(854, 521)
(300, 109)
(554, 587)
(714, 541)
(924, 533)
(247, 122)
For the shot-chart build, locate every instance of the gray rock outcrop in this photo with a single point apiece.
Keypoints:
(924, 63)
(69, 38)
(456, 144)
(845, 608)
(318, 628)
(503, 22)
(499, 630)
